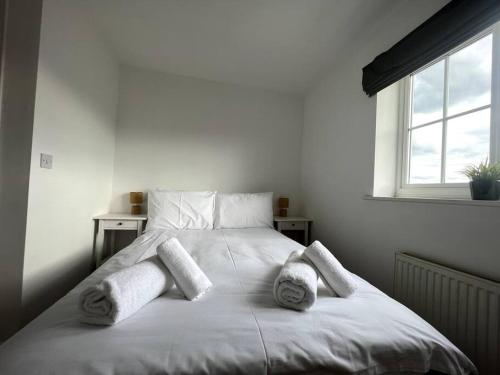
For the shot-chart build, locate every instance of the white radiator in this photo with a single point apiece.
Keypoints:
(465, 308)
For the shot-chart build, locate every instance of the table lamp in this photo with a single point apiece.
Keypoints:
(135, 201)
(283, 203)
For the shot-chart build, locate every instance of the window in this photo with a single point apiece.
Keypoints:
(450, 118)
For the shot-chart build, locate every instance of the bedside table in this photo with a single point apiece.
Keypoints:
(293, 223)
(112, 223)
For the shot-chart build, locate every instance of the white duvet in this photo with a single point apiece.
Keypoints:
(236, 327)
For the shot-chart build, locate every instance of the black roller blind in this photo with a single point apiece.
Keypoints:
(456, 22)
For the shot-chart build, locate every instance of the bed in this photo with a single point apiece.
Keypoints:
(236, 327)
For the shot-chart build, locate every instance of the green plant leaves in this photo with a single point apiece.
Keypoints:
(483, 171)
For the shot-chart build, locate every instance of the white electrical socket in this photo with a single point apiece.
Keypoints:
(46, 161)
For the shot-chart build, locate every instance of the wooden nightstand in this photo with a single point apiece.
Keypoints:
(112, 223)
(292, 224)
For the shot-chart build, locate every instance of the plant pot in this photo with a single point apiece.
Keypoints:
(486, 190)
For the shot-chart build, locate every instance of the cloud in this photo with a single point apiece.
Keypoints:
(428, 91)
(423, 149)
(465, 152)
(470, 76)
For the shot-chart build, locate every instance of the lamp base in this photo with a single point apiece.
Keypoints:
(135, 209)
(283, 212)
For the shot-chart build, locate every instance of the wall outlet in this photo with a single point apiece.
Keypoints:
(46, 161)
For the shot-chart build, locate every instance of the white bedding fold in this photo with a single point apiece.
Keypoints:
(122, 293)
(188, 276)
(296, 285)
(331, 271)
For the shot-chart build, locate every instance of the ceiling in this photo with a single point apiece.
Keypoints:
(275, 44)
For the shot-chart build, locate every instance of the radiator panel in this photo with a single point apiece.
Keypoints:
(464, 307)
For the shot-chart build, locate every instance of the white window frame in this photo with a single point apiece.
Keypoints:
(446, 190)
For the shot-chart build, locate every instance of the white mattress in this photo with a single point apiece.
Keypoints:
(236, 327)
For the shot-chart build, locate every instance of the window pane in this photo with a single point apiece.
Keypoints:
(469, 77)
(427, 101)
(425, 154)
(468, 142)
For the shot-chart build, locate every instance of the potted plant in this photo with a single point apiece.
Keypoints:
(484, 180)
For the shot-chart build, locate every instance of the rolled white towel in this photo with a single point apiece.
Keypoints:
(333, 274)
(297, 284)
(122, 293)
(188, 276)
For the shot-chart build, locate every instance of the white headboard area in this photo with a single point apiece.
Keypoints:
(191, 134)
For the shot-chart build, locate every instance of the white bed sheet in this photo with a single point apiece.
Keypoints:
(236, 327)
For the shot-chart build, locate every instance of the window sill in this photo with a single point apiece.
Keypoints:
(454, 202)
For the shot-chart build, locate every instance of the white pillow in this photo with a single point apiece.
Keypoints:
(244, 210)
(180, 209)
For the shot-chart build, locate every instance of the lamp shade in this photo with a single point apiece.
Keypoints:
(283, 202)
(136, 197)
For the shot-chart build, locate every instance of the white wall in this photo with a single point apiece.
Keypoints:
(186, 133)
(74, 120)
(337, 170)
